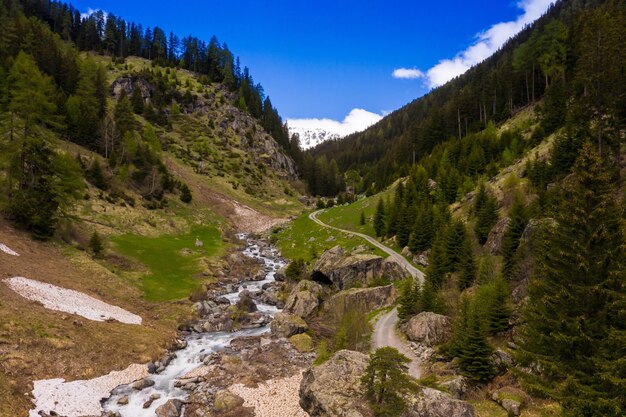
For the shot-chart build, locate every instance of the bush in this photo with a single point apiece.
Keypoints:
(296, 269)
(185, 194)
(96, 246)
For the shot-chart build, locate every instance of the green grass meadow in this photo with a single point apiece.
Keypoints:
(171, 273)
(303, 238)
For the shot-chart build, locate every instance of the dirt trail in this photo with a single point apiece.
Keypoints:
(385, 329)
(416, 273)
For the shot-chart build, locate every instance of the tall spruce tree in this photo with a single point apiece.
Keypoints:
(379, 218)
(409, 300)
(510, 240)
(486, 209)
(475, 352)
(575, 327)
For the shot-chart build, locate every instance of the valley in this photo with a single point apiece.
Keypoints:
(171, 247)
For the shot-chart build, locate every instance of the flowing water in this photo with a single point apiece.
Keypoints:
(199, 345)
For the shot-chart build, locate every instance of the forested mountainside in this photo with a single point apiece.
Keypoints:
(98, 99)
(572, 59)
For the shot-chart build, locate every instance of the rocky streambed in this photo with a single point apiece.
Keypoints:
(232, 330)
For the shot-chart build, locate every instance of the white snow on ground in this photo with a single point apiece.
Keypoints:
(274, 398)
(81, 398)
(4, 248)
(69, 301)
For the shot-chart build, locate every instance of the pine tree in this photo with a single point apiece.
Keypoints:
(362, 218)
(124, 119)
(185, 194)
(386, 382)
(409, 300)
(475, 352)
(455, 238)
(380, 218)
(498, 311)
(467, 265)
(575, 327)
(486, 209)
(96, 245)
(430, 299)
(459, 329)
(136, 99)
(438, 262)
(423, 230)
(510, 240)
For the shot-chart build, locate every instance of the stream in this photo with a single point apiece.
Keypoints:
(199, 345)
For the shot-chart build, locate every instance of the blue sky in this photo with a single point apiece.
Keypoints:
(322, 59)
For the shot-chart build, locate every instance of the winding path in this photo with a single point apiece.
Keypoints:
(385, 330)
(416, 273)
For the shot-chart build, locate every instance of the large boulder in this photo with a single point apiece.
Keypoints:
(246, 302)
(304, 299)
(366, 298)
(333, 389)
(493, 246)
(226, 401)
(286, 325)
(433, 403)
(428, 328)
(171, 408)
(355, 270)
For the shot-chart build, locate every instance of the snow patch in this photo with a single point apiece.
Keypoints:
(4, 248)
(69, 301)
(81, 398)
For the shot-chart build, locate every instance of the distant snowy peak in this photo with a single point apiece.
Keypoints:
(310, 138)
(315, 131)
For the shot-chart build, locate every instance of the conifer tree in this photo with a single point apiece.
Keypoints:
(430, 299)
(423, 230)
(408, 302)
(124, 119)
(362, 218)
(185, 194)
(498, 311)
(459, 328)
(438, 262)
(510, 240)
(386, 382)
(467, 265)
(95, 244)
(136, 99)
(475, 352)
(379, 218)
(486, 209)
(455, 238)
(575, 329)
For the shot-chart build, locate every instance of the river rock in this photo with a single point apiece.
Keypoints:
(333, 389)
(171, 408)
(428, 328)
(354, 270)
(226, 401)
(246, 302)
(366, 298)
(281, 275)
(493, 246)
(433, 403)
(142, 384)
(286, 325)
(304, 298)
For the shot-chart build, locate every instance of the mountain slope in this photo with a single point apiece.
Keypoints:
(555, 57)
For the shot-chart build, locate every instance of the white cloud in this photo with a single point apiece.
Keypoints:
(487, 43)
(407, 73)
(91, 11)
(356, 121)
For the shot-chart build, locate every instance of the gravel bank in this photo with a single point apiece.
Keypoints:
(274, 398)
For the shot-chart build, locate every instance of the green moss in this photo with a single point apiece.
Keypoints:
(302, 342)
(170, 275)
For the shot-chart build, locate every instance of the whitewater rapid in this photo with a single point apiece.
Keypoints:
(199, 346)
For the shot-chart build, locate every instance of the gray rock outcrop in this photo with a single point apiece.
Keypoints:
(304, 299)
(333, 389)
(171, 408)
(493, 246)
(433, 403)
(356, 270)
(368, 299)
(286, 325)
(428, 328)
